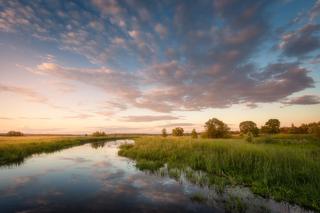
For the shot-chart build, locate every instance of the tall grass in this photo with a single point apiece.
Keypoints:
(13, 150)
(282, 171)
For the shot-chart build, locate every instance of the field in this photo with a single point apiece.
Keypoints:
(13, 150)
(282, 167)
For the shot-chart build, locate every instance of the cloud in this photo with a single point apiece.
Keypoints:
(148, 118)
(79, 116)
(315, 10)
(198, 56)
(5, 118)
(162, 30)
(115, 83)
(29, 94)
(301, 42)
(177, 125)
(64, 87)
(108, 7)
(303, 100)
(315, 60)
(34, 118)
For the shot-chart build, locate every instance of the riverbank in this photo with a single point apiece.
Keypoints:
(13, 150)
(285, 168)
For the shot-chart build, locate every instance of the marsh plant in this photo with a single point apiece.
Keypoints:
(280, 170)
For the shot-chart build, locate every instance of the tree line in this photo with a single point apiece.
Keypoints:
(215, 128)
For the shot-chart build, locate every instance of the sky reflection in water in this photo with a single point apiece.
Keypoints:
(89, 178)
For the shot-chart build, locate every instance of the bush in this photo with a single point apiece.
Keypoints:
(250, 138)
(194, 134)
(265, 139)
(14, 133)
(314, 128)
(178, 131)
(164, 133)
(99, 134)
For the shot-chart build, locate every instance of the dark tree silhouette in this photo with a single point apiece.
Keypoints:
(215, 128)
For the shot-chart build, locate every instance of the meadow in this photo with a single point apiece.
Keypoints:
(281, 167)
(13, 150)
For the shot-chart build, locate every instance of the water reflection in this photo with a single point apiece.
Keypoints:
(99, 144)
(93, 177)
(86, 178)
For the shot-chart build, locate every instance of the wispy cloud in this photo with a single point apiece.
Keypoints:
(177, 125)
(79, 116)
(29, 94)
(148, 118)
(5, 118)
(303, 100)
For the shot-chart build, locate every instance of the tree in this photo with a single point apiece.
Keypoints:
(164, 132)
(272, 126)
(249, 126)
(314, 128)
(215, 128)
(194, 134)
(178, 131)
(99, 134)
(14, 133)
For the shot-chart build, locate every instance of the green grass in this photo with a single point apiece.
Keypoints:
(285, 168)
(198, 198)
(13, 150)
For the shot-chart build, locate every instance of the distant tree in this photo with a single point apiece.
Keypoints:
(249, 126)
(314, 128)
(99, 134)
(272, 126)
(178, 131)
(304, 128)
(215, 128)
(285, 130)
(293, 129)
(194, 133)
(164, 132)
(250, 138)
(14, 133)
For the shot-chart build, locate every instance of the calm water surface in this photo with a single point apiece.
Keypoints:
(93, 177)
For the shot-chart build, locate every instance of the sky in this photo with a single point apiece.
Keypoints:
(140, 66)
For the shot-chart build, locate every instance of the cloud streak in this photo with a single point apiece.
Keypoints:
(29, 94)
(303, 100)
(149, 118)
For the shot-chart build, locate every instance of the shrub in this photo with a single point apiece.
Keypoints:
(178, 131)
(250, 138)
(164, 132)
(14, 133)
(215, 128)
(314, 128)
(194, 134)
(99, 134)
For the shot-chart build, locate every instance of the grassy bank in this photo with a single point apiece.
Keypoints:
(281, 167)
(13, 150)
